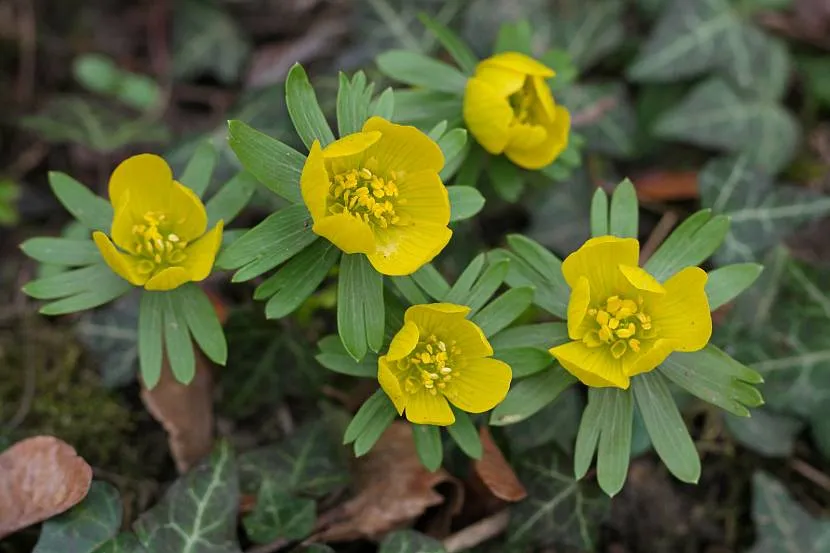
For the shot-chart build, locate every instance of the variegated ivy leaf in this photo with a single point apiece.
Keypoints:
(603, 115)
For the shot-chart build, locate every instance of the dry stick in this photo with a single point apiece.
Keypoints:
(269, 547)
(594, 112)
(660, 233)
(812, 473)
(477, 533)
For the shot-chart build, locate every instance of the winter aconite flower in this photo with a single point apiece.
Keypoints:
(623, 322)
(509, 109)
(378, 192)
(438, 357)
(158, 228)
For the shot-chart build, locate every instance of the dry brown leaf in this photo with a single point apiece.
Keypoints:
(393, 489)
(185, 412)
(666, 186)
(496, 472)
(39, 478)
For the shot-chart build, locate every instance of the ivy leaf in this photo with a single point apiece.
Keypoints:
(558, 510)
(614, 131)
(110, 334)
(198, 513)
(588, 31)
(561, 219)
(756, 63)
(279, 515)
(766, 432)
(410, 541)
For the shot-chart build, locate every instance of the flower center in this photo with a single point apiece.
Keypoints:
(621, 324)
(430, 366)
(522, 103)
(156, 244)
(365, 195)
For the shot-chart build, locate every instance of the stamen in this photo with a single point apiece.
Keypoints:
(618, 349)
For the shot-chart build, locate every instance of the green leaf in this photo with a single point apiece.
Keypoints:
(665, 426)
(515, 36)
(566, 73)
(541, 335)
(590, 428)
(360, 315)
(689, 245)
(410, 291)
(69, 282)
(279, 515)
(726, 283)
(761, 214)
(384, 105)
(766, 432)
(109, 336)
(150, 331)
(199, 169)
(410, 541)
(275, 240)
(90, 210)
(425, 108)
(464, 434)
(62, 251)
(464, 283)
(781, 523)
(274, 164)
(470, 170)
(714, 116)
(758, 64)
(465, 202)
(715, 377)
(506, 179)
(455, 46)
(334, 357)
(304, 110)
(623, 219)
(102, 75)
(289, 287)
(109, 289)
(370, 422)
(198, 512)
(486, 285)
(419, 70)
(613, 131)
(202, 321)
(353, 102)
(428, 445)
(503, 310)
(431, 281)
(453, 145)
(529, 396)
(614, 451)
(599, 213)
(588, 32)
(177, 341)
(525, 361)
(559, 511)
(556, 423)
(437, 131)
(232, 198)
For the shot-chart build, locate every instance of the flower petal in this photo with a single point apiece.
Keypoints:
(426, 198)
(404, 341)
(504, 81)
(123, 223)
(403, 148)
(578, 308)
(348, 233)
(188, 213)
(420, 313)
(202, 253)
(480, 385)
(683, 313)
(599, 260)
(487, 115)
(649, 359)
(447, 321)
(516, 61)
(121, 264)
(391, 385)
(425, 408)
(526, 136)
(168, 279)
(145, 174)
(351, 144)
(641, 280)
(545, 103)
(402, 250)
(592, 366)
(556, 140)
(314, 182)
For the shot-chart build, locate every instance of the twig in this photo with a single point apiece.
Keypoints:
(660, 233)
(477, 533)
(594, 112)
(269, 547)
(811, 473)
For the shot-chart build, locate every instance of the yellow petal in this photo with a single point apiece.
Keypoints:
(391, 385)
(405, 249)
(578, 308)
(641, 280)
(202, 253)
(487, 115)
(144, 174)
(168, 279)
(121, 264)
(403, 148)
(187, 212)
(526, 137)
(425, 408)
(504, 81)
(482, 385)
(650, 358)
(425, 196)
(348, 233)
(592, 366)
(599, 260)
(519, 62)
(404, 342)
(123, 223)
(544, 99)
(556, 140)
(351, 144)
(682, 314)
(418, 312)
(314, 182)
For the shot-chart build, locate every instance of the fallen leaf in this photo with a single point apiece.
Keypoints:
(40, 477)
(185, 412)
(666, 186)
(496, 472)
(392, 489)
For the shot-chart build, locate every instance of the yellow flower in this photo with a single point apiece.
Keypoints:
(621, 320)
(509, 109)
(158, 227)
(440, 356)
(378, 192)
